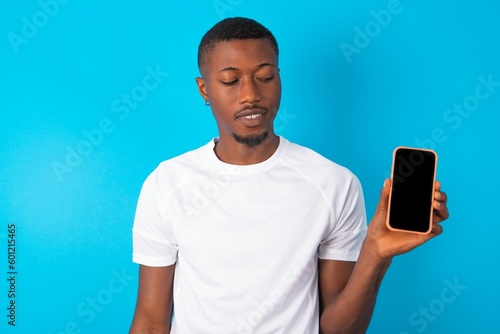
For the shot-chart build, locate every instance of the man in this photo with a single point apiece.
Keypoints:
(252, 233)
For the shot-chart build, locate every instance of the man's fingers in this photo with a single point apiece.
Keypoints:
(440, 211)
(437, 186)
(383, 203)
(437, 229)
(441, 196)
(440, 204)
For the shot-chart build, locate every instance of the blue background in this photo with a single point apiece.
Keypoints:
(64, 68)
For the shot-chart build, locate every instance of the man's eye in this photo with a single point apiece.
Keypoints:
(267, 79)
(229, 83)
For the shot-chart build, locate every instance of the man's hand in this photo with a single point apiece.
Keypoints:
(389, 243)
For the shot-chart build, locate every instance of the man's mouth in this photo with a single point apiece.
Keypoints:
(251, 113)
(251, 117)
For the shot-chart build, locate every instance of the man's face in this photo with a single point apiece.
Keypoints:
(242, 83)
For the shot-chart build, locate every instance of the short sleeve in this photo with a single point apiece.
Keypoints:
(349, 228)
(154, 243)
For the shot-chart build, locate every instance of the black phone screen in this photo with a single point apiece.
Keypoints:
(412, 189)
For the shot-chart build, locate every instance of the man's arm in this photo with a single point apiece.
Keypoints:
(154, 300)
(347, 303)
(348, 290)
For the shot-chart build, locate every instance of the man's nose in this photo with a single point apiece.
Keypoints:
(249, 92)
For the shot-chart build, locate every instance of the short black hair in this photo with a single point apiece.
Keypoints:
(232, 29)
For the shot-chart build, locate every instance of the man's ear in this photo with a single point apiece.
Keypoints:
(202, 88)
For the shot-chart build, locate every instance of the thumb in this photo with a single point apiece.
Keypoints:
(383, 202)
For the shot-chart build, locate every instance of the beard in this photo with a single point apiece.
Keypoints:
(251, 140)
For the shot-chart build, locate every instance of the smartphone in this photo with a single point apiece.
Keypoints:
(412, 192)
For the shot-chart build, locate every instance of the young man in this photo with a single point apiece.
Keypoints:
(252, 233)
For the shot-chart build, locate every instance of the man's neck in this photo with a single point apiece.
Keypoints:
(230, 151)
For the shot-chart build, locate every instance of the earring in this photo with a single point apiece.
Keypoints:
(207, 103)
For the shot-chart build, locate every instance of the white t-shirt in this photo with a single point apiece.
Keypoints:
(246, 239)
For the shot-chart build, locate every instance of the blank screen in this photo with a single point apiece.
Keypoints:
(411, 199)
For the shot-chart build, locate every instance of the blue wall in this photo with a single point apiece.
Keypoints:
(94, 95)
